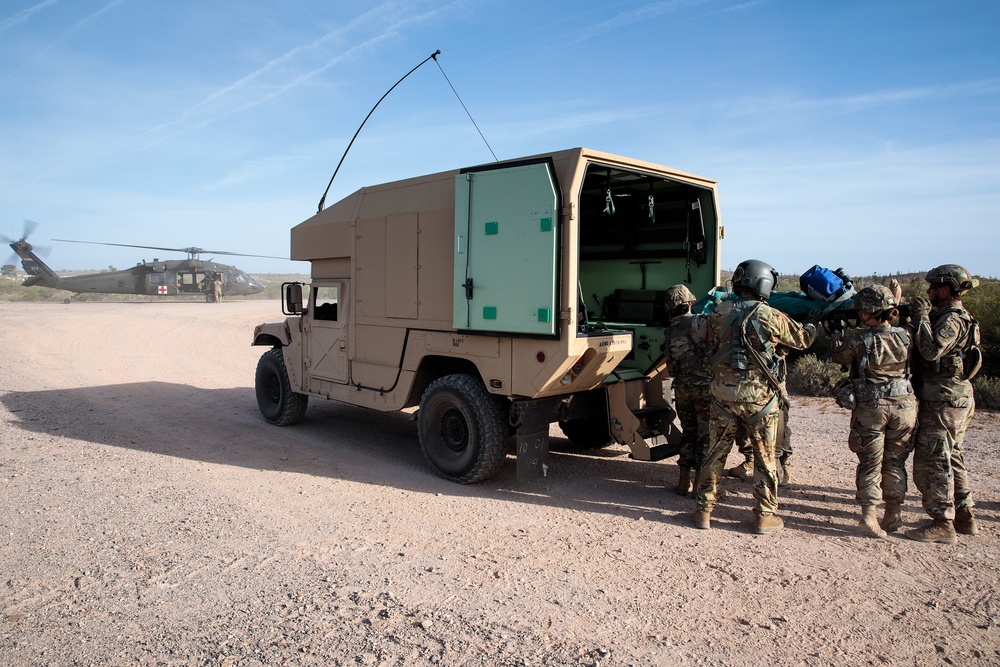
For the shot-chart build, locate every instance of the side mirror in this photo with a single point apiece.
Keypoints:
(291, 299)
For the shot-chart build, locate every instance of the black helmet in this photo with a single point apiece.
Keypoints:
(755, 276)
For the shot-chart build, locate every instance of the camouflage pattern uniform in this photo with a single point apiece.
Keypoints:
(883, 421)
(687, 364)
(217, 289)
(783, 448)
(947, 405)
(744, 398)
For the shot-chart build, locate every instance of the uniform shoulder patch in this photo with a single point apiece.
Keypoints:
(949, 330)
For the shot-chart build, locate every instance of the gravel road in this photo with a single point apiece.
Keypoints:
(151, 517)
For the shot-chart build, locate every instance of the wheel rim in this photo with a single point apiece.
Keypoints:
(454, 431)
(272, 389)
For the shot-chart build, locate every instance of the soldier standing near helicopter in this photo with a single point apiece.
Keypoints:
(217, 288)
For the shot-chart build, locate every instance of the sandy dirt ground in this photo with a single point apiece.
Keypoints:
(151, 517)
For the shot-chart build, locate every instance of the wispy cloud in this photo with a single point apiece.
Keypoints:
(633, 16)
(290, 69)
(861, 102)
(24, 15)
(76, 27)
(746, 6)
(64, 35)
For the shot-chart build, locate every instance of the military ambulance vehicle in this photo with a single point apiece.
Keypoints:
(499, 299)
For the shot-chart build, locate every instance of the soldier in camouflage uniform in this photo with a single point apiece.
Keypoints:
(885, 414)
(687, 363)
(744, 471)
(947, 354)
(745, 333)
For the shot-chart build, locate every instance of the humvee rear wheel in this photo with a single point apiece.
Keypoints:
(463, 429)
(277, 402)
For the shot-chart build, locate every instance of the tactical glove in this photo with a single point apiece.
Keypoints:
(814, 317)
(919, 307)
(835, 326)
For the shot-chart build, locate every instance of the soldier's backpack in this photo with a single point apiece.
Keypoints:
(972, 354)
(853, 388)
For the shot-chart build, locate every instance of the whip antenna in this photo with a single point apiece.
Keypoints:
(322, 199)
(495, 159)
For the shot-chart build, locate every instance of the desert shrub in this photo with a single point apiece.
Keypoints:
(987, 392)
(811, 376)
(984, 304)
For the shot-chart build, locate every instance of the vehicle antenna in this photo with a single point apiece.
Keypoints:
(322, 199)
(495, 159)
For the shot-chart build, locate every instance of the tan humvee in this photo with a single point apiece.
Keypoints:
(498, 298)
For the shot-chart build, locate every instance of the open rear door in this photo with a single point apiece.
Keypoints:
(507, 250)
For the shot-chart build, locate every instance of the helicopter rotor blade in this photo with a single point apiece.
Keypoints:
(124, 245)
(190, 251)
(27, 230)
(240, 254)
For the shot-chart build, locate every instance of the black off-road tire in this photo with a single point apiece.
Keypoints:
(463, 429)
(277, 402)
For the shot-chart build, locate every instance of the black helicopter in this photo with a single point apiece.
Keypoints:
(157, 278)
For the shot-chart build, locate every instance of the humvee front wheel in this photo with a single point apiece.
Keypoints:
(463, 429)
(277, 402)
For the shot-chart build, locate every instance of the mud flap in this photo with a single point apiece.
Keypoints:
(532, 439)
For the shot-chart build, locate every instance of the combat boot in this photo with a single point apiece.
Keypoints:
(784, 475)
(965, 522)
(869, 522)
(893, 519)
(683, 481)
(941, 531)
(703, 519)
(767, 523)
(742, 472)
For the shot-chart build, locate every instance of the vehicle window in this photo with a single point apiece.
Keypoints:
(325, 300)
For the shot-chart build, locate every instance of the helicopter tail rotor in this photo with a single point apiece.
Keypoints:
(28, 230)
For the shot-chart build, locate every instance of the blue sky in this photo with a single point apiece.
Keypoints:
(862, 134)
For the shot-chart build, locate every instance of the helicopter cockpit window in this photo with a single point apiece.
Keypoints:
(325, 302)
(241, 277)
